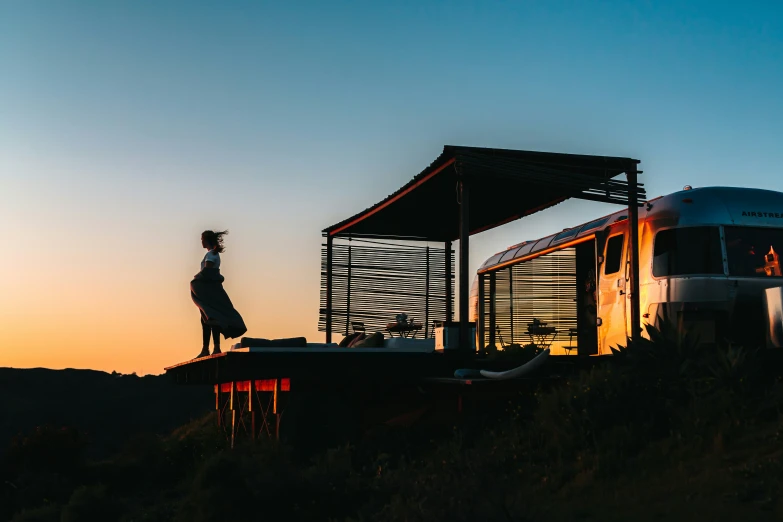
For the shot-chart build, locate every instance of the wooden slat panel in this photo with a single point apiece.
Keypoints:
(544, 288)
(374, 281)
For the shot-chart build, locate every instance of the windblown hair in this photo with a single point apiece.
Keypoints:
(215, 239)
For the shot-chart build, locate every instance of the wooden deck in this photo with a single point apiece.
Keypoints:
(304, 364)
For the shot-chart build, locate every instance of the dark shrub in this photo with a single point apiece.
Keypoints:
(91, 503)
(49, 513)
(48, 449)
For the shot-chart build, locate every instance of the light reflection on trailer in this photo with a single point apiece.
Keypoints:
(706, 257)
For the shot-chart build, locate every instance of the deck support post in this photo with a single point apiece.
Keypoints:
(511, 303)
(633, 226)
(427, 296)
(492, 302)
(449, 275)
(464, 265)
(329, 245)
(348, 297)
(480, 330)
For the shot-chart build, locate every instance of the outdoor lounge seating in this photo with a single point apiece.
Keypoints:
(370, 341)
(403, 330)
(293, 342)
(374, 343)
(358, 327)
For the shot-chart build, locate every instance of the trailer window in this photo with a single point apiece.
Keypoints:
(614, 254)
(687, 251)
(594, 224)
(753, 252)
(566, 234)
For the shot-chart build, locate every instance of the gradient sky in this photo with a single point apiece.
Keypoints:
(127, 128)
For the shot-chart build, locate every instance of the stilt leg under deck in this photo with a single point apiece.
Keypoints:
(274, 410)
(250, 393)
(218, 409)
(252, 404)
(233, 412)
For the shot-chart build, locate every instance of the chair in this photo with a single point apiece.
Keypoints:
(572, 332)
(358, 327)
(432, 328)
(500, 336)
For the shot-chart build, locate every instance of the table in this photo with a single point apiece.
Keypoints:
(403, 330)
(542, 336)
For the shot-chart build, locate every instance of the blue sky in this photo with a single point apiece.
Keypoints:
(126, 128)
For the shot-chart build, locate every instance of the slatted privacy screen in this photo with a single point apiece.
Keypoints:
(373, 281)
(543, 288)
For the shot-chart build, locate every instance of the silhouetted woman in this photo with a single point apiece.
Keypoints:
(218, 315)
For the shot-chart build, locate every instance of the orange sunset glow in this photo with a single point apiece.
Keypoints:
(126, 131)
(478, 261)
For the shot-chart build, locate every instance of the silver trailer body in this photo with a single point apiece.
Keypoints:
(773, 305)
(706, 257)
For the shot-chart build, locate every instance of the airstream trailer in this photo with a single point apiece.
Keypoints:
(706, 257)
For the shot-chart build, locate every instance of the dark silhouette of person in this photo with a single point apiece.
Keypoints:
(742, 258)
(218, 315)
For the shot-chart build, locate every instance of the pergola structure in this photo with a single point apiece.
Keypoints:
(467, 190)
(382, 268)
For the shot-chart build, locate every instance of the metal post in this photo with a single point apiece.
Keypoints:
(449, 298)
(427, 296)
(480, 326)
(348, 298)
(633, 217)
(464, 264)
(492, 301)
(511, 301)
(329, 245)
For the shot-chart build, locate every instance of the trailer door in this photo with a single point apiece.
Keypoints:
(611, 295)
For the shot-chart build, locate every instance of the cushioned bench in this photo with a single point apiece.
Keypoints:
(292, 342)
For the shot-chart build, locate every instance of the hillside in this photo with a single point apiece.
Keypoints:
(108, 408)
(670, 430)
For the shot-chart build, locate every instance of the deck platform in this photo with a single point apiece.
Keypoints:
(306, 364)
(346, 390)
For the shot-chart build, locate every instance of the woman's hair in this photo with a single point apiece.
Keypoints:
(215, 239)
